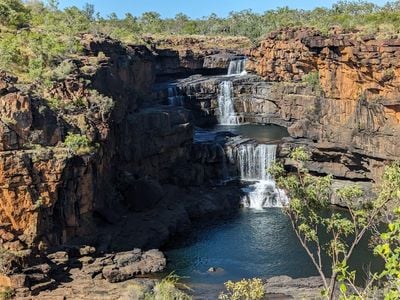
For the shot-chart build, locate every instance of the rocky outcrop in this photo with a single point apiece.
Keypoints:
(338, 92)
(84, 266)
(126, 265)
(349, 65)
(131, 175)
(97, 159)
(359, 82)
(179, 57)
(285, 287)
(54, 191)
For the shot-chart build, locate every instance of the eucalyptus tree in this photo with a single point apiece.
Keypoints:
(311, 198)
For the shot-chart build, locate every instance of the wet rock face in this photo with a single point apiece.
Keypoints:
(350, 138)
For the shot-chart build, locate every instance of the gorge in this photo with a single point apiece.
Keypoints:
(176, 136)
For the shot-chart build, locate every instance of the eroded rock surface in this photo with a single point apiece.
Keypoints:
(134, 182)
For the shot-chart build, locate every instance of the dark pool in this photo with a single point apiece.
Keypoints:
(260, 133)
(248, 244)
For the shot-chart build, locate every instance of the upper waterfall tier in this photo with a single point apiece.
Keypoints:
(226, 109)
(237, 67)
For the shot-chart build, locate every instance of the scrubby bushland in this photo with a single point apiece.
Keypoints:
(35, 37)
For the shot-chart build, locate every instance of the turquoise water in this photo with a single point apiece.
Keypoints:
(251, 243)
(246, 245)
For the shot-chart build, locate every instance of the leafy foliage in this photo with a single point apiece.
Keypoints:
(389, 250)
(312, 79)
(34, 37)
(166, 289)
(311, 195)
(13, 13)
(78, 144)
(245, 289)
(6, 293)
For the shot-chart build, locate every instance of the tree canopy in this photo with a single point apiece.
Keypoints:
(35, 35)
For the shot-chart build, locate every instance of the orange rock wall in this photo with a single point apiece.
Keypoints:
(359, 105)
(349, 66)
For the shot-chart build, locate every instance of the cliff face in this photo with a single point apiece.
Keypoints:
(359, 76)
(349, 66)
(138, 155)
(48, 192)
(141, 154)
(179, 57)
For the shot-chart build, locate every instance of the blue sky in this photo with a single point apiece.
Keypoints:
(193, 8)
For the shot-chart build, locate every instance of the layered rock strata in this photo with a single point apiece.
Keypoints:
(358, 79)
(96, 158)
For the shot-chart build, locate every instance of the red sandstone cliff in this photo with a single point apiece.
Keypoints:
(360, 81)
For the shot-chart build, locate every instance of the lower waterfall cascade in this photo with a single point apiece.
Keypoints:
(253, 161)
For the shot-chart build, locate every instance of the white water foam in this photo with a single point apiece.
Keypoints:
(253, 161)
(226, 110)
(237, 67)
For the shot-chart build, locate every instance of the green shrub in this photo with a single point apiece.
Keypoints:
(6, 293)
(104, 104)
(62, 70)
(245, 289)
(10, 52)
(55, 103)
(13, 13)
(312, 80)
(78, 144)
(166, 289)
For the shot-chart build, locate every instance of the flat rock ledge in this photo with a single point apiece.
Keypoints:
(285, 287)
(78, 273)
(126, 265)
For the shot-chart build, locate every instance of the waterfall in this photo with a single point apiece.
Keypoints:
(236, 67)
(225, 104)
(253, 161)
(174, 96)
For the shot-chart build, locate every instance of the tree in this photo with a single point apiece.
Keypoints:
(151, 22)
(89, 11)
(310, 196)
(13, 13)
(389, 250)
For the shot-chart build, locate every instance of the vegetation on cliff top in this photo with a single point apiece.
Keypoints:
(35, 37)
